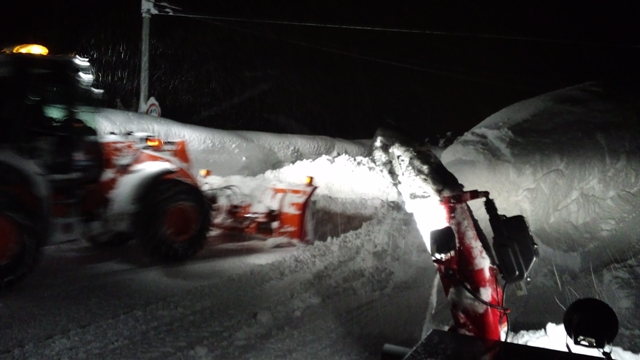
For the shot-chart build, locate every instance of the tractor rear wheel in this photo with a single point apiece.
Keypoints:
(172, 221)
(19, 242)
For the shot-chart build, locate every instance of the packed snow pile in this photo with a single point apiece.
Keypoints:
(226, 152)
(569, 161)
(350, 190)
(374, 249)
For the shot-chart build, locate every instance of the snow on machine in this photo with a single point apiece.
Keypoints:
(59, 181)
(470, 266)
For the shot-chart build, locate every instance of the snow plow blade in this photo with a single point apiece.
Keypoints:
(295, 221)
(283, 211)
(447, 345)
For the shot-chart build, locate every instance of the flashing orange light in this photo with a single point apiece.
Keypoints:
(153, 142)
(205, 172)
(309, 180)
(33, 49)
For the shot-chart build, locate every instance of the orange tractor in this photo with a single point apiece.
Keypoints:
(59, 181)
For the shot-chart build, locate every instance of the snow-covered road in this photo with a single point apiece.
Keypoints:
(245, 301)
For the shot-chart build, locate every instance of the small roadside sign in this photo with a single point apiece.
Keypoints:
(153, 107)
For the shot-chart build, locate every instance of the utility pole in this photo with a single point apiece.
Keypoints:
(146, 8)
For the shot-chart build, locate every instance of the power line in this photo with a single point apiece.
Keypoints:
(428, 32)
(374, 59)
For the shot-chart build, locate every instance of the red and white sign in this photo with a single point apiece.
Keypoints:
(153, 108)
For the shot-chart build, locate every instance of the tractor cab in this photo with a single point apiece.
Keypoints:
(39, 99)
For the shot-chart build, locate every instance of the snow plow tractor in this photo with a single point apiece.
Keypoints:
(148, 192)
(59, 181)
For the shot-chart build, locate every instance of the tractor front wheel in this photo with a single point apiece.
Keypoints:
(172, 220)
(19, 242)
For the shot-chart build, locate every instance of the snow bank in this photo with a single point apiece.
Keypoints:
(346, 185)
(227, 152)
(343, 177)
(374, 258)
(373, 249)
(569, 161)
(388, 239)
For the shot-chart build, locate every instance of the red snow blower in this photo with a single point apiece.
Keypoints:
(469, 268)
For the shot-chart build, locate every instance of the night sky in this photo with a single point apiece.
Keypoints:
(334, 81)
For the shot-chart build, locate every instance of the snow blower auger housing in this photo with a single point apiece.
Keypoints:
(284, 211)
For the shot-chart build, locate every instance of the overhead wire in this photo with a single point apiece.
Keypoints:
(412, 31)
(375, 59)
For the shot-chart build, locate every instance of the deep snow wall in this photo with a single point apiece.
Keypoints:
(227, 152)
(570, 162)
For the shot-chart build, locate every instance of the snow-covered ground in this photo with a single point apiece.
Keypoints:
(567, 160)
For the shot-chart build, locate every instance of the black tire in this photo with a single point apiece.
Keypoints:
(158, 240)
(17, 263)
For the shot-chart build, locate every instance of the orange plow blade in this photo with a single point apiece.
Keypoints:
(279, 211)
(295, 220)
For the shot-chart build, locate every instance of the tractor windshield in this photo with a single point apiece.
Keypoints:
(37, 93)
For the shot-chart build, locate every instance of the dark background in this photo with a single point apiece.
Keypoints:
(334, 81)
